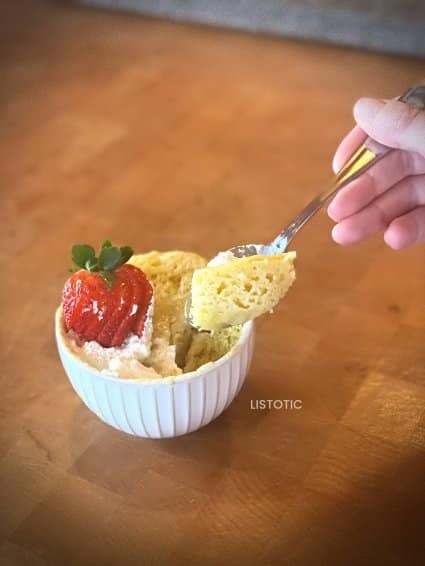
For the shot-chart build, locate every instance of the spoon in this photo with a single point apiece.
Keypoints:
(366, 155)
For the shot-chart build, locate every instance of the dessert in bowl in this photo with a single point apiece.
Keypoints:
(129, 352)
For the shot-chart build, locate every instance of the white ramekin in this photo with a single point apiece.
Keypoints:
(161, 408)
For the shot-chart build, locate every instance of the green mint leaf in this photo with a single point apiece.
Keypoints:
(126, 253)
(73, 269)
(108, 277)
(107, 244)
(81, 253)
(109, 258)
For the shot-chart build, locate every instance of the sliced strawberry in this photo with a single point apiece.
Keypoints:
(83, 292)
(95, 326)
(120, 296)
(69, 302)
(109, 300)
(138, 305)
(124, 328)
(74, 300)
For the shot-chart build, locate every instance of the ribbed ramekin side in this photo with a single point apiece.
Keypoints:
(160, 410)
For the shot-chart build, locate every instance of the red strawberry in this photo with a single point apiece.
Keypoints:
(107, 301)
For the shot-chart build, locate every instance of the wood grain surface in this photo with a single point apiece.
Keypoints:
(167, 136)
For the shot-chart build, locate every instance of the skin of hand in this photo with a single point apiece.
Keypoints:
(390, 196)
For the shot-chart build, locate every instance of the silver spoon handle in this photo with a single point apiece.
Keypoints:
(364, 157)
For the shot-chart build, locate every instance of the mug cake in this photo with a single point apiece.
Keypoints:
(129, 351)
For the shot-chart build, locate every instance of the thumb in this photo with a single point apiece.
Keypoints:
(392, 123)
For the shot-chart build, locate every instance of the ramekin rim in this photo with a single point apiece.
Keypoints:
(203, 371)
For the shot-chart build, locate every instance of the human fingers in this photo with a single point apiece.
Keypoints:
(392, 123)
(347, 147)
(378, 179)
(406, 230)
(403, 197)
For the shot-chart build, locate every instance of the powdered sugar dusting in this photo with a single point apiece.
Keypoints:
(125, 361)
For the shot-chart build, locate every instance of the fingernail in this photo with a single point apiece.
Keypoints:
(366, 109)
(336, 233)
(398, 235)
(392, 239)
(331, 210)
(336, 166)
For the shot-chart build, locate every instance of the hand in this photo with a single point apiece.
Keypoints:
(389, 196)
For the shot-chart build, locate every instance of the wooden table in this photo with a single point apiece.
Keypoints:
(170, 136)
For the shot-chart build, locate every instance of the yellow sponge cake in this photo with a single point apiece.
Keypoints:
(176, 346)
(208, 347)
(170, 274)
(239, 290)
